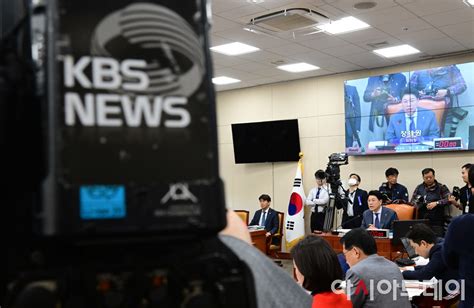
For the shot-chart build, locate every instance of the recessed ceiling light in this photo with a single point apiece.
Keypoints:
(396, 51)
(298, 67)
(469, 3)
(234, 49)
(343, 25)
(221, 80)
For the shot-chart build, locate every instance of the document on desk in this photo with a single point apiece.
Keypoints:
(416, 287)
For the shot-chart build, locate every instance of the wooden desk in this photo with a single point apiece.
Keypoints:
(385, 247)
(259, 240)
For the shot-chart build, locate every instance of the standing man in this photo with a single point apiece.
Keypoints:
(395, 192)
(266, 217)
(378, 216)
(435, 198)
(353, 118)
(354, 204)
(317, 200)
(380, 92)
(466, 198)
(441, 83)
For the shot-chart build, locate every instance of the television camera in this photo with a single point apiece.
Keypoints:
(336, 196)
(99, 105)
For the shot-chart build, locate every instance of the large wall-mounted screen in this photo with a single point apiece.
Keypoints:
(416, 111)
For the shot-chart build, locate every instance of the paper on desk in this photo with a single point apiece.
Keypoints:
(420, 284)
(407, 268)
(421, 261)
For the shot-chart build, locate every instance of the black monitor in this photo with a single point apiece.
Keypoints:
(401, 228)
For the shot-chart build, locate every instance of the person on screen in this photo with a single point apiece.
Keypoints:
(427, 245)
(413, 124)
(441, 83)
(353, 119)
(431, 197)
(266, 217)
(377, 216)
(394, 191)
(316, 268)
(317, 200)
(354, 204)
(466, 198)
(368, 270)
(380, 92)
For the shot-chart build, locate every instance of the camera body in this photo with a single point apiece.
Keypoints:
(104, 105)
(456, 192)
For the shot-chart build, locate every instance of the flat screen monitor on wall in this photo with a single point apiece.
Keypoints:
(271, 141)
(414, 111)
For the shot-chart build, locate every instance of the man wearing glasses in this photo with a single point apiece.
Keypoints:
(371, 276)
(413, 124)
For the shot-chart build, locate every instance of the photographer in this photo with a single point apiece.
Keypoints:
(353, 119)
(463, 199)
(434, 196)
(395, 192)
(318, 199)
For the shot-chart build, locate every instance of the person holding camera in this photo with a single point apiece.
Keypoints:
(442, 83)
(317, 200)
(431, 197)
(395, 192)
(354, 204)
(463, 198)
(353, 119)
(382, 91)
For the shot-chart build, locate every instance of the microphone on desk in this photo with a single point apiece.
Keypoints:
(345, 222)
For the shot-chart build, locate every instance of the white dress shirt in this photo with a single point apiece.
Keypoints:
(322, 201)
(350, 205)
(380, 217)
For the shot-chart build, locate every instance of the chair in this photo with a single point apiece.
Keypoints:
(404, 211)
(274, 244)
(436, 106)
(244, 215)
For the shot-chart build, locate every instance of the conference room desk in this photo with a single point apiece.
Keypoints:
(385, 247)
(259, 240)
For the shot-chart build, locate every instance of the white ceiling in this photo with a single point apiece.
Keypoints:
(435, 27)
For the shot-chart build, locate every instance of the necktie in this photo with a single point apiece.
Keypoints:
(263, 218)
(377, 221)
(317, 194)
(412, 124)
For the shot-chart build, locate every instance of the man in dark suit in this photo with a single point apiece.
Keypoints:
(354, 204)
(377, 216)
(413, 124)
(266, 216)
(353, 119)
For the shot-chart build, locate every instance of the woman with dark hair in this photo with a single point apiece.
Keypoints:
(317, 270)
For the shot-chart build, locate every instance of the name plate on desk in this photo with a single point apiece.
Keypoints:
(379, 233)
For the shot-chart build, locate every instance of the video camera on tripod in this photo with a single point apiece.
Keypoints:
(107, 97)
(333, 172)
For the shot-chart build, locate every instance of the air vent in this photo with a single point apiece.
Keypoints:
(293, 19)
(378, 44)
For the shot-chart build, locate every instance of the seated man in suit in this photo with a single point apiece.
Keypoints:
(424, 242)
(377, 216)
(266, 216)
(367, 269)
(412, 125)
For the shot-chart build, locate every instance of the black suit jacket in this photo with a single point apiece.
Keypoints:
(360, 202)
(271, 222)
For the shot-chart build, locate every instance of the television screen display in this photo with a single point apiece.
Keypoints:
(415, 111)
(271, 141)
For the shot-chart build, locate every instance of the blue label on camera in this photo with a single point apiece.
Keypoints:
(102, 202)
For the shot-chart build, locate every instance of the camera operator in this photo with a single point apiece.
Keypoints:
(395, 192)
(463, 198)
(435, 198)
(354, 204)
(317, 200)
